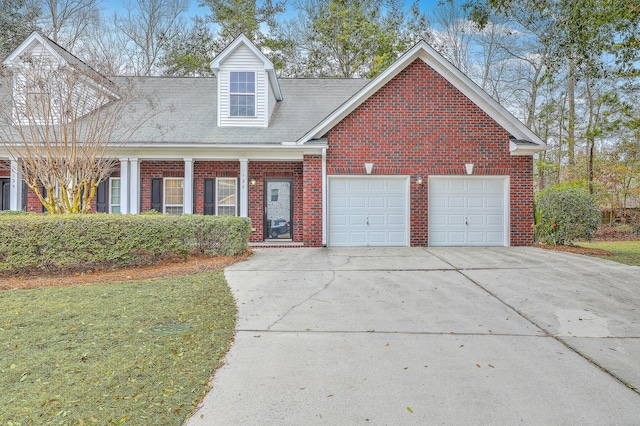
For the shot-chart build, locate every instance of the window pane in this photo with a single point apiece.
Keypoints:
(115, 209)
(226, 211)
(242, 105)
(173, 192)
(173, 210)
(115, 191)
(226, 201)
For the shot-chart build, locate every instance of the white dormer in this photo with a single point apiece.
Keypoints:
(248, 89)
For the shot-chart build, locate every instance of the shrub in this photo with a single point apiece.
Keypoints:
(565, 214)
(78, 242)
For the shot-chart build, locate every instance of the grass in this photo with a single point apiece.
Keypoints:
(125, 353)
(627, 252)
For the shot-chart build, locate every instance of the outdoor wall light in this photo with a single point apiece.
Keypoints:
(252, 181)
(419, 180)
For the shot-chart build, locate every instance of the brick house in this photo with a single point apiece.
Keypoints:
(417, 156)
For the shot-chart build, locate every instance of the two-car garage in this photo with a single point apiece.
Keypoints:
(375, 210)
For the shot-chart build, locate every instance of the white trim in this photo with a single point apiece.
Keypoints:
(187, 194)
(15, 186)
(324, 197)
(443, 67)
(134, 186)
(244, 187)
(9, 61)
(506, 196)
(407, 192)
(125, 186)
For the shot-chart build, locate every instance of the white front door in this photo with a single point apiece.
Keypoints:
(468, 211)
(368, 211)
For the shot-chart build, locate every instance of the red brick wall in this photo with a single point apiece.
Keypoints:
(5, 168)
(312, 195)
(210, 170)
(419, 124)
(156, 169)
(261, 170)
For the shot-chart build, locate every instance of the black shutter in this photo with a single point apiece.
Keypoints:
(25, 191)
(102, 194)
(44, 196)
(209, 196)
(193, 197)
(156, 194)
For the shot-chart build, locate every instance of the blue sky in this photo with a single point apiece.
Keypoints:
(426, 6)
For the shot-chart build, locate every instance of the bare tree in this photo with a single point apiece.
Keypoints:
(59, 122)
(147, 24)
(67, 21)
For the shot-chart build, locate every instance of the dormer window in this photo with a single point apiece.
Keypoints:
(242, 94)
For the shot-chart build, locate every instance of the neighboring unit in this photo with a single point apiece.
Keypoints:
(417, 156)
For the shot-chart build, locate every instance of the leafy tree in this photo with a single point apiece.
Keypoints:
(354, 38)
(190, 51)
(565, 214)
(17, 20)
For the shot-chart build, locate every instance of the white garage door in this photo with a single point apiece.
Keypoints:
(468, 211)
(368, 211)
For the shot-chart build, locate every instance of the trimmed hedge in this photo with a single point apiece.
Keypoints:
(49, 243)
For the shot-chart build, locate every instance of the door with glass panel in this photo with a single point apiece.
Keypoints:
(278, 209)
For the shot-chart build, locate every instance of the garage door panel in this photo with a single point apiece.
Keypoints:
(475, 220)
(495, 220)
(456, 202)
(378, 202)
(377, 220)
(357, 202)
(456, 220)
(476, 202)
(375, 208)
(495, 202)
(357, 220)
(495, 237)
(468, 211)
(397, 202)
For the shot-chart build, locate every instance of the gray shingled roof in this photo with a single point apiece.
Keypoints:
(185, 110)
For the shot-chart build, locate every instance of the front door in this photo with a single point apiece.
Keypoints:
(278, 209)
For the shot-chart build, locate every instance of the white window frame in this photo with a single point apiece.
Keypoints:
(111, 203)
(217, 192)
(165, 204)
(232, 94)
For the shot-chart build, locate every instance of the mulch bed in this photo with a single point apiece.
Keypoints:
(577, 250)
(167, 268)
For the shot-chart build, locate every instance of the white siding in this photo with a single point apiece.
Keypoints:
(243, 59)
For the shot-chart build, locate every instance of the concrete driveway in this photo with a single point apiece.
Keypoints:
(395, 336)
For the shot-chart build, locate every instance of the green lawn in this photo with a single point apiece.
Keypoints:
(627, 252)
(137, 353)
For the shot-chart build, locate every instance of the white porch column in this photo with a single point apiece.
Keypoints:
(244, 187)
(134, 186)
(187, 193)
(124, 186)
(15, 201)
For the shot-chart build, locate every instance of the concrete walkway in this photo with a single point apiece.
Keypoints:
(406, 336)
